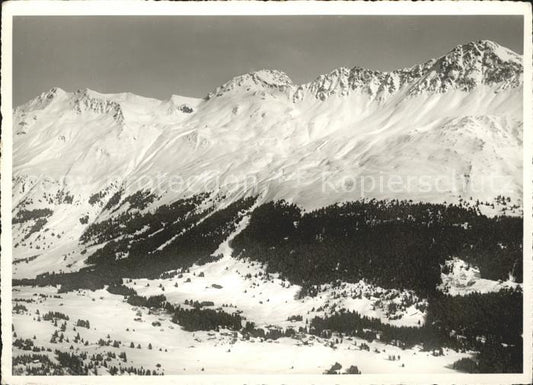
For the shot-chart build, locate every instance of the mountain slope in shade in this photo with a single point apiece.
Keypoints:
(432, 132)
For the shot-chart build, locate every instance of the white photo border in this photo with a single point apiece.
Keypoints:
(140, 8)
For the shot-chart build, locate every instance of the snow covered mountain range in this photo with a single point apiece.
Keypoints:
(438, 129)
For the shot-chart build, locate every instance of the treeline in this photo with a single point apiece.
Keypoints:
(188, 242)
(180, 234)
(131, 222)
(393, 244)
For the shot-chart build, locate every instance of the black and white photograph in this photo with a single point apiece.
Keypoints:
(311, 191)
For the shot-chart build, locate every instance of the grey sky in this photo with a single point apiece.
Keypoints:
(190, 55)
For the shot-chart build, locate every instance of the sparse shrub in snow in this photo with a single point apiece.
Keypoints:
(18, 308)
(54, 315)
(83, 323)
(24, 344)
(364, 346)
(353, 370)
(334, 369)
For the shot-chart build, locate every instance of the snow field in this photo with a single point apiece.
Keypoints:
(221, 352)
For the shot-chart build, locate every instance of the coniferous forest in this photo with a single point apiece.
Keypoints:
(391, 244)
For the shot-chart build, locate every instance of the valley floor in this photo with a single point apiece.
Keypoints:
(233, 287)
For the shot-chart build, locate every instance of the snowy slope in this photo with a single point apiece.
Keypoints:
(441, 127)
(464, 279)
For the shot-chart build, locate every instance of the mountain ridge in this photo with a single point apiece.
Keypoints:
(349, 78)
(387, 82)
(77, 153)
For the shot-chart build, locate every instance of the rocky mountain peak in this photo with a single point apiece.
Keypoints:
(88, 100)
(470, 65)
(272, 80)
(42, 101)
(463, 68)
